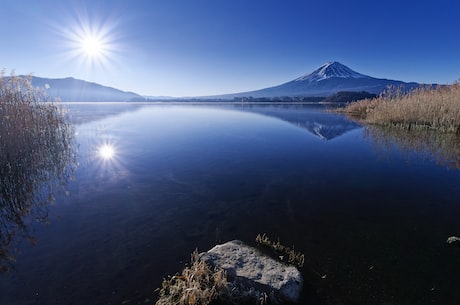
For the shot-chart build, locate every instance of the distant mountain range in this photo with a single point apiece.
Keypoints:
(325, 81)
(328, 79)
(75, 90)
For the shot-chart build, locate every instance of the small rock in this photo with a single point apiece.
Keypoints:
(453, 239)
(250, 269)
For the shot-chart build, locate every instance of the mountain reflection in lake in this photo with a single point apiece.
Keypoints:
(326, 126)
(184, 177)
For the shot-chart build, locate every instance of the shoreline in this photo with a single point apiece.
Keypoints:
(430, 108)
(203, 103)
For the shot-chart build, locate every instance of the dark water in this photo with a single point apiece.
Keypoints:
(372, 218)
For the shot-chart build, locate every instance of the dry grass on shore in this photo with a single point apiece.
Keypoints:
(428, 107)
(197, 284)
(284, 253)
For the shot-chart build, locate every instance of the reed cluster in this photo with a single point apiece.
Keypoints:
(37, 154)
(284, 253)
(427, 107)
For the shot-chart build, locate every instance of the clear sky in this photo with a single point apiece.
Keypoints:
(205, 47)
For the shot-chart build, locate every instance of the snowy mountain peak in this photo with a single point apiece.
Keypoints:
(330, 70)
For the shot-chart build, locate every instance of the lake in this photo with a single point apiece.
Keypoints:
(371, 212)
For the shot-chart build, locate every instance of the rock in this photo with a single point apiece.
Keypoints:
(453, 240)
(256, 273)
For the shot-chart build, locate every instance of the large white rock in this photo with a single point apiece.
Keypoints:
(454, 240)
(253, 270)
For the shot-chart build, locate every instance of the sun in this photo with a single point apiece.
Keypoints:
(90, 42)
(92, 46)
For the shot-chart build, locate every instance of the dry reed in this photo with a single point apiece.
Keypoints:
(427, 107)
(284, 253)
(36, 155)
(197, 284)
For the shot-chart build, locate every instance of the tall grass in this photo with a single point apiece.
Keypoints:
(198, 284)
(37, 154)
(423, 108)
(284, 253)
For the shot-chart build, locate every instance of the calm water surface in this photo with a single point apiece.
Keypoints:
(373, 226)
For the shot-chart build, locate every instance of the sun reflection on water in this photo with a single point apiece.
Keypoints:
(106, 152)
(108, 161)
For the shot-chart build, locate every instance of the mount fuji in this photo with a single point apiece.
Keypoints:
(328, 79)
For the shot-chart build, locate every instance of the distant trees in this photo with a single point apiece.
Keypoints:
(349, 96)
(339, 97)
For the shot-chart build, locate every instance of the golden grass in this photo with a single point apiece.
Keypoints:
(197, 284)
(284, 253)
(424, 108)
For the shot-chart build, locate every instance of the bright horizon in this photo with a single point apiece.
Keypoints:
(207, 47)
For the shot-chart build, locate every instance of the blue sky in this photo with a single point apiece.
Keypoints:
(205, 47)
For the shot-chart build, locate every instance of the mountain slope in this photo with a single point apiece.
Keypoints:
(75, 90)
(326, 80)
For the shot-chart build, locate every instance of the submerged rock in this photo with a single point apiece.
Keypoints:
(255, 273)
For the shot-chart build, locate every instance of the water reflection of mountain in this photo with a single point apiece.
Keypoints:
(322, 124)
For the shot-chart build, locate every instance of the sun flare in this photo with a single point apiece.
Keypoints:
(106, 152)
(92, 46)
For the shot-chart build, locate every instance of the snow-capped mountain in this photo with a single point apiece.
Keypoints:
(330, 70)
(328, 79)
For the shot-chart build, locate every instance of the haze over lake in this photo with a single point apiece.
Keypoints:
(155, 182)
